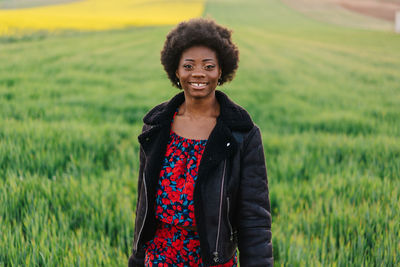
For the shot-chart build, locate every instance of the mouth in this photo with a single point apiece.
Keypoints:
(198, 85)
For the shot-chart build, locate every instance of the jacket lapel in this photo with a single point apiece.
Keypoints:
(219, 146)
(154, 143)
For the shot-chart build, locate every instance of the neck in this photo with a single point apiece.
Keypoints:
(200, 107)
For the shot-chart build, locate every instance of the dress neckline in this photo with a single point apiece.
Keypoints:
(188, 139)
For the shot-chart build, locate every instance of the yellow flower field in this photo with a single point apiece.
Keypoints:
(98, 15)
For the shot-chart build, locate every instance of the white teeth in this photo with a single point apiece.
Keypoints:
(198, 84)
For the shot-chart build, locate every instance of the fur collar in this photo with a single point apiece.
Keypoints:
(234, 116)
(221, 143)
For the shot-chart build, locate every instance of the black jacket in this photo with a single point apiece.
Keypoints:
(231, 200)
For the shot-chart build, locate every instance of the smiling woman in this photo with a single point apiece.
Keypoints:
(95, 14)
(203, 190)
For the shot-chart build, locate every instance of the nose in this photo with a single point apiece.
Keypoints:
(198, 74)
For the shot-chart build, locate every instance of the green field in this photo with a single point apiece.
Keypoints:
(326, 98)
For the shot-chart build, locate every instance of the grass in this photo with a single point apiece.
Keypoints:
(325, 97)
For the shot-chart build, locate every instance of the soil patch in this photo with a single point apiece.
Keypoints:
(379, 9)
(364, 14)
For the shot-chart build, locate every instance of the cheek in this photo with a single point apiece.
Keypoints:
(180, 74)
(215, 75)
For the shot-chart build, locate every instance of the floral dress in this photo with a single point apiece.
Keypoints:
(173, 245)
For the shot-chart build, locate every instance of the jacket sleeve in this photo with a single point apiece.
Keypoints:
(137, 258)
(254, 211)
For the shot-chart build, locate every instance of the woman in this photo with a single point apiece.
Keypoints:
(202, 189)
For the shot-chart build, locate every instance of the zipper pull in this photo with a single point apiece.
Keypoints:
(216, 259)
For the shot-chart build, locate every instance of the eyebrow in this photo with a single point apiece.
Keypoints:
(204, 60)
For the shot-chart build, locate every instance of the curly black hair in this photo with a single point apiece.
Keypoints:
(200, 31)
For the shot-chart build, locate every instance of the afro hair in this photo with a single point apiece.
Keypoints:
(200, 31)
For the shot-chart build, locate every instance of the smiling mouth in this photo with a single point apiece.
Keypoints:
(198, 85)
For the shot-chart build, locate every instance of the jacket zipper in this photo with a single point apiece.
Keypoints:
(145, 213)
(229, 223)
(216, 259)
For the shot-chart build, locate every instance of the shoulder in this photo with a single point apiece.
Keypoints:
(253, 135)
(154, 112)
(244, 138)
(235, 116)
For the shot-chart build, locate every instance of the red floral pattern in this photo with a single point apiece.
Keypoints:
(174, 207)
(174, 195)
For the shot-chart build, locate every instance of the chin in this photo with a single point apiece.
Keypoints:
(199, 93)
(202, 94)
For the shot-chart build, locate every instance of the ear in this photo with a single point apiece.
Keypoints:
(219, 73)
(176, 74)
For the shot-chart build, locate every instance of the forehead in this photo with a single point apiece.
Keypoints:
(199, 52)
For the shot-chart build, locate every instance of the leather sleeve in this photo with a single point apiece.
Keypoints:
(254, 211)
(135, 259)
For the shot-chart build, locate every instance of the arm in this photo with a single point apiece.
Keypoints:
(254, 211)
(135, 259)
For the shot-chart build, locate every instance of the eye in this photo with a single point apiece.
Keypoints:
(187, 66)
(209, 67)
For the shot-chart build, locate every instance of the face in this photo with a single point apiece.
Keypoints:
(198, 71)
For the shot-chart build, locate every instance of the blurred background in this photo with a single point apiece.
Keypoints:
(319, 77)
